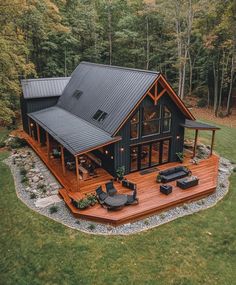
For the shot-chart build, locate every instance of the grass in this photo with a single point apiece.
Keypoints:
(197, 249)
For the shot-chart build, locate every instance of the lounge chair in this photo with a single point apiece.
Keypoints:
(111, 190)
(132, 199)
(101, 195)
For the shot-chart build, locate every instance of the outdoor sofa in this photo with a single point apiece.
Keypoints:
(174, 173)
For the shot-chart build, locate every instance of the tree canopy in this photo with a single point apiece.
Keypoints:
(192, 42)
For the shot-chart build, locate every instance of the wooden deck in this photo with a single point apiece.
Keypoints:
(151, 200)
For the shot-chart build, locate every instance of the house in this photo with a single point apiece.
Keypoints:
(117, 116)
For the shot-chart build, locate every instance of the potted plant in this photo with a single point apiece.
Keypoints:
(120, 172)
(180, 156)
(158, 178)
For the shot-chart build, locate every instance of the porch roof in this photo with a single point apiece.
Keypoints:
(75, 134)
(195, 125)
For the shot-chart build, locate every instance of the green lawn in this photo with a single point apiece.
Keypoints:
(198, 249)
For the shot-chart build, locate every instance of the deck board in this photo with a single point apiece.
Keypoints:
(151, 200)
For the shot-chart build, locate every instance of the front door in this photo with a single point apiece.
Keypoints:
(150, 154)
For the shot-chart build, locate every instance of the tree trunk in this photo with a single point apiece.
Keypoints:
(148, 44)
(215, 72)
(230, 86)
(110, 32)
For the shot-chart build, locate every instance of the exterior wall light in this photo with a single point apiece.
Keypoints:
(112, 157)
(122, 149)
(178, 137)
(106, 151)
(31, 125)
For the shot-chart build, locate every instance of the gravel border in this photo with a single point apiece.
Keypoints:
(64, 216)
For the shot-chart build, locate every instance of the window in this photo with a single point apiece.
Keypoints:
(100, 116)
(166, 120)
(151, 120)
(134, 126)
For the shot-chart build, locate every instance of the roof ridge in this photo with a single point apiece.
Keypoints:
(45, 79)
(120, 67)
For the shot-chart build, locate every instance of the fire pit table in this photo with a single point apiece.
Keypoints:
(116, 201)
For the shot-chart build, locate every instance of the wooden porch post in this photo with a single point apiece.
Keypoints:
(48, 145)
(63, 160)
(38, 132)
(195, 143)
(212, 141)
(77, 171)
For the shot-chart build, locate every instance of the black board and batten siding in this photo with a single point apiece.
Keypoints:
(33, 105)
(122, 148)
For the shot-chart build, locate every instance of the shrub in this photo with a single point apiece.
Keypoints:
(2, 144)
(23, 171)
(202, 103)
(146, 223)
(32, 196)
(162, 216)
(17, 143)
(24, 179)
(234, 170)
(53, 209)
(91, 227)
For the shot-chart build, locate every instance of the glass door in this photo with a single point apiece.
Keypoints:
(155, 153)
(134, 158)
(165, 151)
(149, 154)
(144, 156)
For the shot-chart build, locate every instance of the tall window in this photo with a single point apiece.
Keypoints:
(151, 120)
(134, 126)
(166, 120)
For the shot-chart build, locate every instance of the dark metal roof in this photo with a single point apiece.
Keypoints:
(74, 133)
(113, 90)
(43, 87)
(198, 125)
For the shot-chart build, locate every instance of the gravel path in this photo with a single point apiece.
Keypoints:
(64, 216)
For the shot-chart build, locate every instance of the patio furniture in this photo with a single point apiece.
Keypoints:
(166, 189)
(174, 173)
(56, 153)
(187, 182)
(70, 165)
(115, 202)
(101, 195)
(128, 184)
(111, 190)
(132, 199)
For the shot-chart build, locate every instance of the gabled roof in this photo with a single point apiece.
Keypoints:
(72, 132)
(43, 87)
(111, 89)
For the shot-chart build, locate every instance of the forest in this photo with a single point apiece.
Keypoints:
(192, 42)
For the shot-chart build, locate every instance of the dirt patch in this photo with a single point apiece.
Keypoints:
(208, 114)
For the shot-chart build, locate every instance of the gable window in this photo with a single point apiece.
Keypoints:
(100, 116)
(166, 120)
(134, 126)
(151, 120)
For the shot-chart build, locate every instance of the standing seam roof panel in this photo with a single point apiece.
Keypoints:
(111, 89)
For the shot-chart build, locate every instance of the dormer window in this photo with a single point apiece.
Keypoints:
(77, 93)
(100, 116)
(166, 120)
